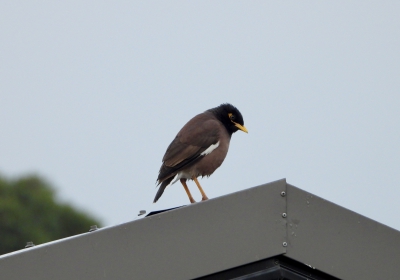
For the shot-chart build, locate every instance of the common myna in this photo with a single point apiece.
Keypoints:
(199, 148)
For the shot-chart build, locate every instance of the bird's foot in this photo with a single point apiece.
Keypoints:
(204, 198)
(192, 200)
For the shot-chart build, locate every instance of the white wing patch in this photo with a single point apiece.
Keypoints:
(210, 149)
(181, 174)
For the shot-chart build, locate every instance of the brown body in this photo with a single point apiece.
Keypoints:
(190, 141)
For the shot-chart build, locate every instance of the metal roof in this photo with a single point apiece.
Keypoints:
(271, 221)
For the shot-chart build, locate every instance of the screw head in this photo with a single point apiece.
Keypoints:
(142, 212)
(284, 215)
(93, 228)
(29, 244)
(284, 244)
(283, 193)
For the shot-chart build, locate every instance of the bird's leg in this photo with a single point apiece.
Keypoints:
(183, 182)
(203, 194)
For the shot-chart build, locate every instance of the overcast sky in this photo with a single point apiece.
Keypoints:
(93, 92)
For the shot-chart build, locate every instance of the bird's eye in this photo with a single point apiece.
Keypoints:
(231, 116)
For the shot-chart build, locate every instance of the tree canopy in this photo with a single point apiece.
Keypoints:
(29, 211)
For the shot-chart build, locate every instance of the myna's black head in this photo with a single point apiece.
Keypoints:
(230, 116)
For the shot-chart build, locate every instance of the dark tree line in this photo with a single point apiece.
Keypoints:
(29, 211)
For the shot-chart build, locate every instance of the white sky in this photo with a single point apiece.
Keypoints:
(93, 92)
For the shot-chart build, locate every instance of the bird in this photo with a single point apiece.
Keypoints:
(199, 148)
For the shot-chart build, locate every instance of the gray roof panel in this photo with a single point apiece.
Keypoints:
(183, 243)
(338, 241)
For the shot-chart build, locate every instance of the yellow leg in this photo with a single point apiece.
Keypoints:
(183, 182)
(203, 194)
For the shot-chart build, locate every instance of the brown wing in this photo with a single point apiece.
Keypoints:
(194, 138)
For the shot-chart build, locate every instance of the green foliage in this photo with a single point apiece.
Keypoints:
(30, 212)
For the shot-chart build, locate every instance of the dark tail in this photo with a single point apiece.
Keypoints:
(161, 189)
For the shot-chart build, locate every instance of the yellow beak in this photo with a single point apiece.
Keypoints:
(241, 127)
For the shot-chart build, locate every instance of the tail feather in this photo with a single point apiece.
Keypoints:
(161, 189)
